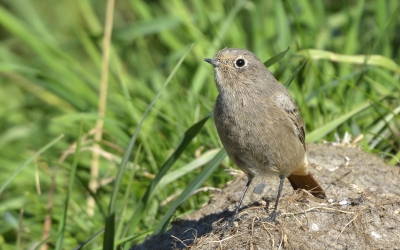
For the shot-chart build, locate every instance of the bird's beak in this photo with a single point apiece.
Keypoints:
(214, 62)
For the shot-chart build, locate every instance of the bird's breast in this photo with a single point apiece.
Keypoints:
(257, 137)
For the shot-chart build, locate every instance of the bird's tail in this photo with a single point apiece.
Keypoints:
(308, 183)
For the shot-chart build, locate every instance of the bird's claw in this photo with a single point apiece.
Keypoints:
(271, 217)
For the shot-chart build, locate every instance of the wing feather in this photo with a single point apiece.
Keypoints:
(286, 102)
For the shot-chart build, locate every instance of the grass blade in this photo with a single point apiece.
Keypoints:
(195, 184)
(378, 128)
(59, 244)
(187, 138)
(27, 162)
(320, 132)
(276, 58)
(375, 60)
(196, 163)
(289, 81)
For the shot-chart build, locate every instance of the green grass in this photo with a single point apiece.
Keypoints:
(50, 73)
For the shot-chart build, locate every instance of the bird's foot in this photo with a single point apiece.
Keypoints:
(230, 222)
(271, 217)
(227, 226)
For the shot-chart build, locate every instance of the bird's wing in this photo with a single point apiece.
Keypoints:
(286, 102)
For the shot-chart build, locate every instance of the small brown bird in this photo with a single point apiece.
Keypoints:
(259, 124)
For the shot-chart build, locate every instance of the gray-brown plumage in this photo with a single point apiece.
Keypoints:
(259, 123)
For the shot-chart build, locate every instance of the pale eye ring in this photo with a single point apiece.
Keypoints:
(240, 62)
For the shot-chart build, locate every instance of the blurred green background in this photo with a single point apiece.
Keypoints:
(50, 74)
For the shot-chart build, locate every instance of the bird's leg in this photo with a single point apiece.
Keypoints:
(275, 213)
(231, 219)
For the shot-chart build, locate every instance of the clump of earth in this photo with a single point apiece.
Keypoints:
(362, 210)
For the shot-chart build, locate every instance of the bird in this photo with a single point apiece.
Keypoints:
(259, 124)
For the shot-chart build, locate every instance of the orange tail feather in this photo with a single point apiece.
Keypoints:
(308, 183)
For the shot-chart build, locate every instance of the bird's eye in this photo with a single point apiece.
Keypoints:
(240, 62)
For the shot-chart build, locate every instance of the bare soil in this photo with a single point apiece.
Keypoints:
(362, 210)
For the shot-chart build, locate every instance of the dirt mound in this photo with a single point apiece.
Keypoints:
(362, 210)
